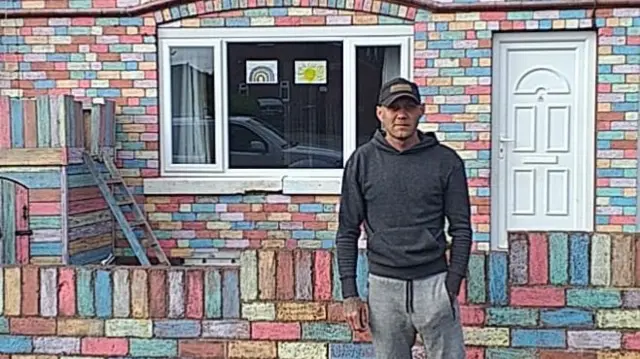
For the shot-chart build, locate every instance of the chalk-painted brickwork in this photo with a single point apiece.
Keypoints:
(53, 196)
(117, 58)
(552, 293)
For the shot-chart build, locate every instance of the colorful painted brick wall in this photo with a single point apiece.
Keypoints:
(116, 58)
(552, 295)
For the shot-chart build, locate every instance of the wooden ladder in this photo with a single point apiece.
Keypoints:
(117, 195)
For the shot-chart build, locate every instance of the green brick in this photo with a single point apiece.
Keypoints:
(512, 316)
(476, 284)
(153, 348)
(594, 298)
(495, 353)
(326, 332)
(559, 258)
(140, 328)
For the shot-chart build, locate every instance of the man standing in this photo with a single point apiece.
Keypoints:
(401, 185)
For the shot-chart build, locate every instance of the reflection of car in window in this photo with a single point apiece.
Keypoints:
(254, 143)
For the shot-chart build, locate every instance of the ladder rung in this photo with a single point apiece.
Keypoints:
(125, 202)
(113, 181)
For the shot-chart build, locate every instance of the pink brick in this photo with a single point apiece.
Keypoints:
(538, 259)
(275, 331)
(67, 292)
(322, 274)
(471, 315)
(474, 353)
(537, 296)
(105, 346)
(631, 341)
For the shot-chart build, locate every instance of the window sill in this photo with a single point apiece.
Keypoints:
(236, 185)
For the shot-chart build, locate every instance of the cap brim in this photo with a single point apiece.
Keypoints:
(393, 98)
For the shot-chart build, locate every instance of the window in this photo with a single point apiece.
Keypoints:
(241, 102)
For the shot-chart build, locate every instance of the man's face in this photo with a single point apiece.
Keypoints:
(400, 118)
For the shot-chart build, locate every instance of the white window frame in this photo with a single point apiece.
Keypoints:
(218, 38)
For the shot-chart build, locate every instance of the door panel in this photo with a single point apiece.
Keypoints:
(543, 132)
(14, 223)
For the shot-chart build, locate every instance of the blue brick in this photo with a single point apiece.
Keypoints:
(4, 325)
(230, 199)
(177, 328)
(567, 317)
(14, 344)
(498, 278)
(103, 294)
(351, 351)
(579, 260)
(183, 216)
(538, 338)
(303, 235)
(311, 207)
(203, 207)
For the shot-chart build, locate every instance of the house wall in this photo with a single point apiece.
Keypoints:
(551, 293)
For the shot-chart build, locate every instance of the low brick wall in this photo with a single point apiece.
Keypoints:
(551, 296)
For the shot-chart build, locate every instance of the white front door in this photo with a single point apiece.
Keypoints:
(543, 132)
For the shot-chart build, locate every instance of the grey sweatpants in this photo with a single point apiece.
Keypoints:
(398, 309)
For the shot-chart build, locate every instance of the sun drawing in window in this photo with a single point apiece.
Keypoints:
(311, 72)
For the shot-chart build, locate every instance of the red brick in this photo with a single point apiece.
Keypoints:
(322, 275)
(33, 326)
(275, 331)
(30, 290)
(335, 312)
(474, 353)
(471, 315)
(285, 279)
(362, 337)
(157, 294)
(195, 297)
(567, 355)
(105, 346)
(538, 259)
(201, 349)
(537, 296)
(67, 292)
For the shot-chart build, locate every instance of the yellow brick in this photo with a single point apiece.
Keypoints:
(618, 318)
(301, 311)
(12, 296)
(259, 311)
(493, 337)
(302, 350)
(619, 355)
(80, 327)
(252, 349)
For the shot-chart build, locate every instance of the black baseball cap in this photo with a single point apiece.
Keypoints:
(398, 88)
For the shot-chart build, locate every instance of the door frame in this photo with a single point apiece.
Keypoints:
(499, 234)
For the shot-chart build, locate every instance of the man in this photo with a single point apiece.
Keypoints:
(401, 185)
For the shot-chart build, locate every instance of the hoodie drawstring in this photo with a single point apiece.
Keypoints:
(409, 293)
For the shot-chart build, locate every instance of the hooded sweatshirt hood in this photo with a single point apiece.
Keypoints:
(427, 140)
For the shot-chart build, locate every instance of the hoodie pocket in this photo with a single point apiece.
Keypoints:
(404, 247)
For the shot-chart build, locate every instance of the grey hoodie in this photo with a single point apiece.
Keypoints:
(403, 198)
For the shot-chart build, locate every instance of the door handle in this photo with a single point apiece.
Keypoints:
(504, 139)
(27, 232)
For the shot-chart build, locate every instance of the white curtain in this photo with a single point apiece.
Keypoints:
(391, 64)
(192, 124)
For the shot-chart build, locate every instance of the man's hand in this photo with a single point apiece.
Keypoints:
(357, 313)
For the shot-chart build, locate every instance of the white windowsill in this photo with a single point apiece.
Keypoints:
(237, 185)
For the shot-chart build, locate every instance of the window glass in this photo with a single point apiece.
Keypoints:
(289, 97)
